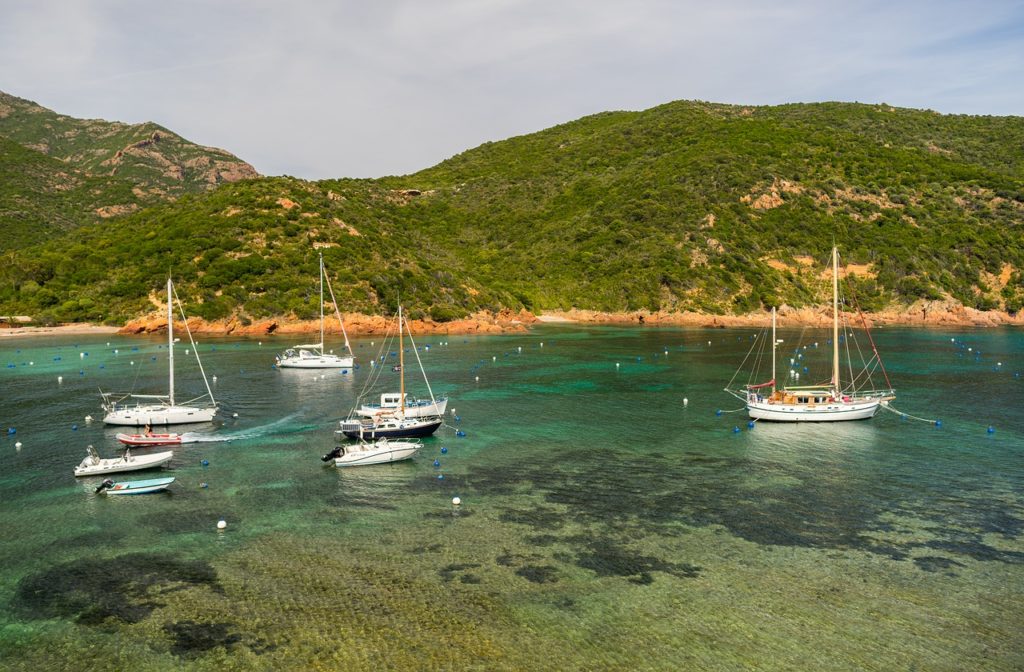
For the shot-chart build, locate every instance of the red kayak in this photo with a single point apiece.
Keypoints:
(149, 439)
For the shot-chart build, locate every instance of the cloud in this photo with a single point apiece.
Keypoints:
(329, 89)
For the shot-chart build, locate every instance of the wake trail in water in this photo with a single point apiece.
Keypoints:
(276, 427)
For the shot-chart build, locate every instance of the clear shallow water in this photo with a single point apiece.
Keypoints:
(604, 524)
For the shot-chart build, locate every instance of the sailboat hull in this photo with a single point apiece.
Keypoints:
(833, 412)
(316, 362)
(158, 414)
(410, 428)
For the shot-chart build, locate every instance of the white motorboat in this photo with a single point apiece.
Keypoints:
(830, 401)
(364, 453)
(312, 356)
(93, 464)
(138, 410)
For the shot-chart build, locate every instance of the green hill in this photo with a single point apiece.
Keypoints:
(41, 197)
(153, 159)
(687, 206)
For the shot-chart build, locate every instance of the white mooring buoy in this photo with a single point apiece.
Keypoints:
(221, 524)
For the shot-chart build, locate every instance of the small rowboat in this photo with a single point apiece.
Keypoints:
(149, 439)
(134, 487)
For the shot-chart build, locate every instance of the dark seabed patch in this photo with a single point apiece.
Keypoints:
(538, 573)
(665, 494)
(934, 563)
(449, 572)
(604, 557)
(124, 588)
(191, 639)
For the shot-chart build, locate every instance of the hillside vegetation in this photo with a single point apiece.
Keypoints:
(687, 206)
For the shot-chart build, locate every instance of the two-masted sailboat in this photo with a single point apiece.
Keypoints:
(158, 409)
(312, 356)
(830, 401)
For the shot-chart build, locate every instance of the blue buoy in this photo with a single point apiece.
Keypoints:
(938, 423)
(437, 463)
(103, 366)
(444, 451)
(205, 463)
(440, 477)
(991, 429)
(750, 424)
(204, 485)
(718, 412)
(460, 433)
(74, 428)
(458, 419)
(11, 431)
(735, 430)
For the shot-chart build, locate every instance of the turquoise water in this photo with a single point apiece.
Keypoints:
(604, 525)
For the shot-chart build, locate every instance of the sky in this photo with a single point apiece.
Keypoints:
(326, 89)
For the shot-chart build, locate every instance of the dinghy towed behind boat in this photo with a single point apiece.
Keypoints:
(93, 464)
(134, 487)
(149, 439)
(380, 451)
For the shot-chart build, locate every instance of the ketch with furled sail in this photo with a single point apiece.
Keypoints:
(854, 397)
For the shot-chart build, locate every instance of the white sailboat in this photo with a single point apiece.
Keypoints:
(158, 409)
(312, 356)
(395, 421)
(834, 401)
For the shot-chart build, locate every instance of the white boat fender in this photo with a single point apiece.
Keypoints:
(17, 445)
(221, 524)
(456, 501)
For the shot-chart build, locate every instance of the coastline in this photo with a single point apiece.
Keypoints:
(73, 329)
(920, 314)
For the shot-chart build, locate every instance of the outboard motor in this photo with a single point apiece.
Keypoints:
(107, 483)
(337, 452)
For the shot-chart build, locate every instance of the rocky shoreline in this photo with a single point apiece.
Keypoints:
(919, 314)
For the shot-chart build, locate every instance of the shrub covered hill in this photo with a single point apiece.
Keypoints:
(58, 172)
(684, 207)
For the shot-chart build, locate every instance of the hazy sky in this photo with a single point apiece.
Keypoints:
(317, 89)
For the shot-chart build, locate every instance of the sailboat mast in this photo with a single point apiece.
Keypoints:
(401, 364)
(774, 342)
(321, 304)
(835, 320)
(170, 344)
